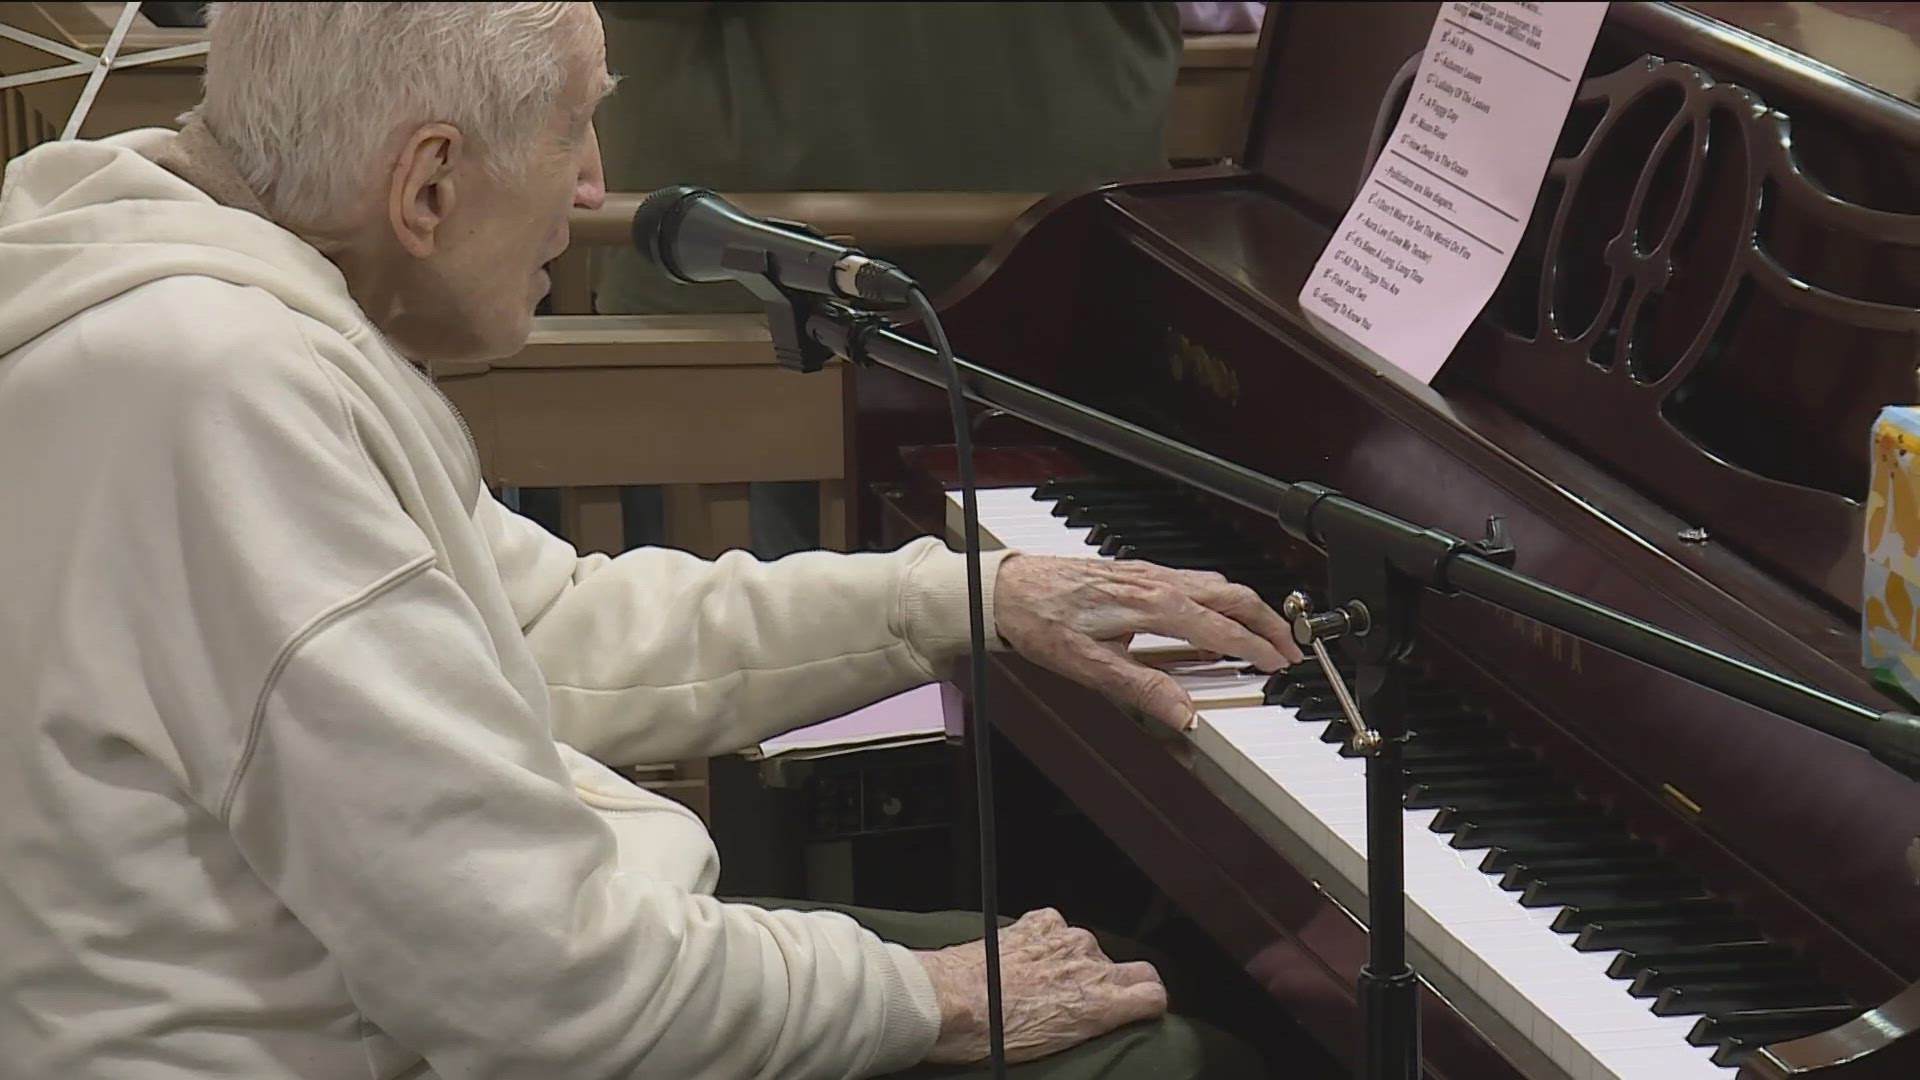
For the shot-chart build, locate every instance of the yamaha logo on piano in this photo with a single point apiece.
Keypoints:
(1562, 648)
(1190, 362)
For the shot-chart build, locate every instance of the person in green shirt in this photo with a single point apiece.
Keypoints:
(739, 96)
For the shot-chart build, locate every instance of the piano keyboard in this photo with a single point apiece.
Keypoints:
(1601, 956)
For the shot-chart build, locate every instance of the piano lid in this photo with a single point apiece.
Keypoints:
(1720, 286)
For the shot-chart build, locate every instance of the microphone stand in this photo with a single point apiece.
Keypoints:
(1378, 568)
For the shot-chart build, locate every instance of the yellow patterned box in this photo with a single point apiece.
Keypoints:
(1890, 619)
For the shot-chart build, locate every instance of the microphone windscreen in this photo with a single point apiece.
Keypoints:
(654, 221)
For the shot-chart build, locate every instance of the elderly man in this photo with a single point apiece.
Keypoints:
(301, 769)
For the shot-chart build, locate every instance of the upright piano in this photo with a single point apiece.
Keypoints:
(1612, 872)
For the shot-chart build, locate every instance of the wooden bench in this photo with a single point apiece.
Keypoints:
(692, 402)
(1205, 119)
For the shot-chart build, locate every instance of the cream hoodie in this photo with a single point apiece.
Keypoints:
(295, 719)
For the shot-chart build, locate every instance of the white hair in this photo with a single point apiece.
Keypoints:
(305, 96)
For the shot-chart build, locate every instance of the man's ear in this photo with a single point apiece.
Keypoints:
(421, 194)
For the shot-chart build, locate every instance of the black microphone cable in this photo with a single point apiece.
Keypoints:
(866, 283)
(981, 730)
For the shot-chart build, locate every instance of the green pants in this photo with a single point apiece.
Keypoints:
(1171, 1048)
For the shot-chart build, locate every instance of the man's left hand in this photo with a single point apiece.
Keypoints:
(1077, 616)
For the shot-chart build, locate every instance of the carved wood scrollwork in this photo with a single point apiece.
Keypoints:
(1691, 309)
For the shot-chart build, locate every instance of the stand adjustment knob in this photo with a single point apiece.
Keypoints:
(1310, 626)
(1313, 629)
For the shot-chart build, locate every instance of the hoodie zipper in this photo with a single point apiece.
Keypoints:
(466, 433)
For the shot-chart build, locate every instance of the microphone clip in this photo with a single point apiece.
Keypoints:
(787, 310)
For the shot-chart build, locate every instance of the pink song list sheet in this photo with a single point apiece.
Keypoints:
(1432, 230)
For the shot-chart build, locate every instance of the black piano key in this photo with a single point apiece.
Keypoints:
(1123, 497)
(1279, 691)
(1515, 769)
(1467, 792)
(1443, 740)
(1753, 949)
(1456, 737)
(1653, 979)
(1249, 565)
(1197, 554)
(1169, 512)
(1733, 1049)
(1608, 888)
(1450, 720)
(1050, 490)
(1075, 516)
(1081, 513)
(1137, 495)
(1130, 543)
(1319, 712)
(1117, 525)
(1522, 875)
(1534, 836)
(1763, 1026)
(1698, 911)
(1299, 688)
(1453, 816)
(1309, 669)
(1102, 531)
(1438, 781)
(1422, 757)
(1122, 542)
(1498, 859)
(1488, 792)
(1714, 999)
(1424, 701)
(1626, 933)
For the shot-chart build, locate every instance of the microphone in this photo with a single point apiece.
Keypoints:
(694, 235)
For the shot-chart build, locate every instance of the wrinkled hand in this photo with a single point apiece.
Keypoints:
(1057, 990)
(1077, 616)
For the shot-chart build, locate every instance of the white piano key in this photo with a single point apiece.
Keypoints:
(1219, 684)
